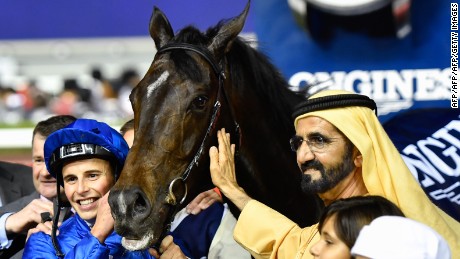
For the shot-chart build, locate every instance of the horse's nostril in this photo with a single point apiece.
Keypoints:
(137, 204)
(140, 205)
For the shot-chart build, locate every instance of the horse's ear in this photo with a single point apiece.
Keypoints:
(222, 42)
(160, 28)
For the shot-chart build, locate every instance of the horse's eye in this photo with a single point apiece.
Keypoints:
(200, 102)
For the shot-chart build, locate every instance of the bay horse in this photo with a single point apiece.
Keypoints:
(198, 83)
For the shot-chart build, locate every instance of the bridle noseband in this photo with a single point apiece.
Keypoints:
(220, 73)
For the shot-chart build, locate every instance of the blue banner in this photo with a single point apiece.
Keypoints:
(31, 19)
(429, 142)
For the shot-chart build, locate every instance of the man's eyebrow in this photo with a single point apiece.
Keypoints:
(316, 134)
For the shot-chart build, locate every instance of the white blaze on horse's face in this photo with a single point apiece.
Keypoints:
(164, 76)
(122, 203)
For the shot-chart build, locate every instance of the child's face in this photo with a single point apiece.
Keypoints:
(85, 182)
(329, 245)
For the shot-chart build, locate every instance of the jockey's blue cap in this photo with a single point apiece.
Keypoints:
(84, 139)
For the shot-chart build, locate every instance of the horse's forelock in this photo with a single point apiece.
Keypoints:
(191, 35)
(186, 67)
(184, 63)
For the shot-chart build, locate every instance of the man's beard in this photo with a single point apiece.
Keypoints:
(330, 177)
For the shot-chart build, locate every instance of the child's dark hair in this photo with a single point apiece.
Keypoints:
(353, 213)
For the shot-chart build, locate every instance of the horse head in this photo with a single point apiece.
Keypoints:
(177, 106)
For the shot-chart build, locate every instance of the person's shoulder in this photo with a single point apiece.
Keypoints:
(19, 204)
(17, 176)
(10, 170)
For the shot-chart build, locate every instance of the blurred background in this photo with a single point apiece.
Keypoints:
(81, 58)
(84, 57)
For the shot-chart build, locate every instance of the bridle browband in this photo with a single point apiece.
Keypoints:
(203, 52)
(220, 74)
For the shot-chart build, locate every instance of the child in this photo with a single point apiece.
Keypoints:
(342, 220)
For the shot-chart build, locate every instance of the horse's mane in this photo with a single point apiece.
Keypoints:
(248, 67)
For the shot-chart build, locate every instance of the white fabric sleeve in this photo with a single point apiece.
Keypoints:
(4, 242)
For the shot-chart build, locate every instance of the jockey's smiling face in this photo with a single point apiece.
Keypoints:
(85, 182)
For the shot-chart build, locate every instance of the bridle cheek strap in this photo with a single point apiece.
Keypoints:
(219, 72)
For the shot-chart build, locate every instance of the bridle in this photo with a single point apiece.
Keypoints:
(171, 198)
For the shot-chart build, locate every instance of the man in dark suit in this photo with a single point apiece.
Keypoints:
(15, 182)
(18, 217)
(15, 241)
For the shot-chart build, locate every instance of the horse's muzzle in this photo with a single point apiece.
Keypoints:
(129, 206)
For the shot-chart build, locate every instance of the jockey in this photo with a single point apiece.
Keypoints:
(86, 158)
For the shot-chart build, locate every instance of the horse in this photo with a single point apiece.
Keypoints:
(199, 83)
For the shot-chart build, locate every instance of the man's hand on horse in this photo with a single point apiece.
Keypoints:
(222, 168)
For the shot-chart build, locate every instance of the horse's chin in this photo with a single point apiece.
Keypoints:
(137, 244)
